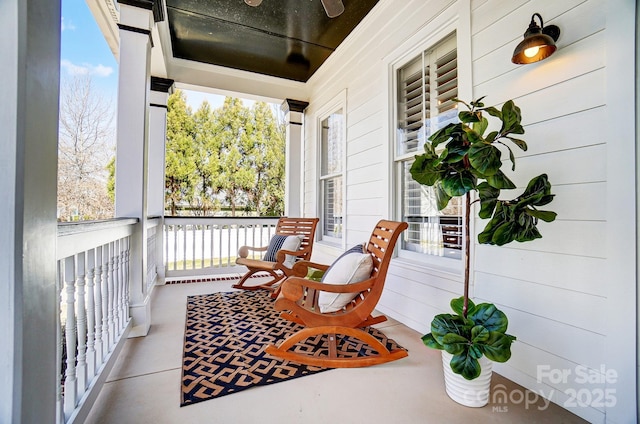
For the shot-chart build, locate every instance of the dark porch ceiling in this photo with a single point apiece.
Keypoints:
(283, 38)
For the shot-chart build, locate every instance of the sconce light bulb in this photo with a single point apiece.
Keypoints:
(532, 51)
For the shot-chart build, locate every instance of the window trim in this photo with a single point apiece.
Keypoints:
(336, 103)
(453, 20)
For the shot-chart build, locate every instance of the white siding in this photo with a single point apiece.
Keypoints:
(570, 296)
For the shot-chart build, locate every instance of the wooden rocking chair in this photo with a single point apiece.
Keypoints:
(303, 227)
(299, 296)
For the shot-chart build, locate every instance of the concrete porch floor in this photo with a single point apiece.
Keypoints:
(144, 385)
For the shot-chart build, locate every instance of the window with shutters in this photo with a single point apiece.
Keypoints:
(331, 176)
(426, 87)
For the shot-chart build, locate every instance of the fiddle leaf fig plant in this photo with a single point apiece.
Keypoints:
(460, 158)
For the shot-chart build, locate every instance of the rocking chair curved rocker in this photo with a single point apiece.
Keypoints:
(299, 296)
(303, 227)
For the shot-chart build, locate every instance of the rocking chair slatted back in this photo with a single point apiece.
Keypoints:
(305, 227)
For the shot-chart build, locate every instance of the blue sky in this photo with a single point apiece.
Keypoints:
(84, 50)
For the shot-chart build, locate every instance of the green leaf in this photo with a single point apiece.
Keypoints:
(479, 334)
(497, 347)
(546, 216)
(491, 137)
(458, 183)
(511, 118)
(490, 317)
(537, 192)
(505, 233)
(485, 158)
(424, 169)
(491, 110)
(500, 181)
(528, 233)
(456, 150)
(444, 134)
(443, 324)
(429, 341)
(442, 198)
(480, 127)
(488, 199)
(520, 143)
(478, 102)
(458, 304)
(472, 136)
(486, 236)
(466, 365)
(468, 116)
(455, 344)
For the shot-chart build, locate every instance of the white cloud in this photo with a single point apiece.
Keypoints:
(67, 26)
(86, 69)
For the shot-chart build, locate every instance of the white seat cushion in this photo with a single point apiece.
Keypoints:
(352, 266)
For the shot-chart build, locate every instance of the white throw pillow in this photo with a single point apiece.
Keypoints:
(352, 266)
(278, 242)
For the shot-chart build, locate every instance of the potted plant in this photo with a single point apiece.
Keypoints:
(460, 158)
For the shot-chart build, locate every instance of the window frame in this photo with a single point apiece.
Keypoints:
(338, 103)
(402, 57)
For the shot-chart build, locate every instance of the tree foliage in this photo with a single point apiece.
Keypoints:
(231, 157)
(84, 148)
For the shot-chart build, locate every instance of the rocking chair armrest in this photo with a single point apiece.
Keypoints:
(294, 286)
(301, 268)
(281, 254)
(243, 252)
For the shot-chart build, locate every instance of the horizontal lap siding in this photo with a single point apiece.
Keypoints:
(554, 290)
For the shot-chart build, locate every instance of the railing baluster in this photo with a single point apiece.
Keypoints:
(70, 388)
(175, 247)
(81, 313)
(110, 297)
(127, 256)
(106, 269)
(59, 344)
(185, 231)
(116, 287)
(98, 308)
(123, 289)
(211, 238)
(193, 246)
(220, 245)
(91, 314)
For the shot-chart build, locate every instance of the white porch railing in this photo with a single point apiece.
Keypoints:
(93, 320)
(208, 245)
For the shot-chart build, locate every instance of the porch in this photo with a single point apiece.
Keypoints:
(571, 297)
(109, 378)
(144, 385)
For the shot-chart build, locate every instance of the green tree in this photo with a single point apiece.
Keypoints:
(265, 153)
(206, 161)
(180, 168)
(236, 176)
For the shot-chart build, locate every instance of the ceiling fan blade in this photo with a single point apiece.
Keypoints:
(332, 7)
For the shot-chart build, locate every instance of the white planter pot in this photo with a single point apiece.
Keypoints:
(473, 393)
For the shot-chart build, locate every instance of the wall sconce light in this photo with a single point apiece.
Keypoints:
(538, 44)
(253, 3)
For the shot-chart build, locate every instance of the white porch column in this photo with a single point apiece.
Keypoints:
(136, 20)
(160, 88)
(30, 69)
(293, 189)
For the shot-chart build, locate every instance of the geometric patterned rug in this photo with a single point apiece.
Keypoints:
(224, 342)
